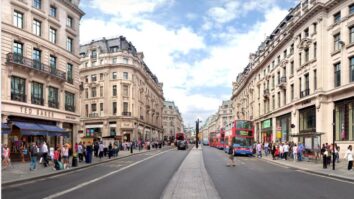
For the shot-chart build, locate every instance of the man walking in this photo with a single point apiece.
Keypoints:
(33, 154)
(44, 150)
(259, 150)
(286, 150)
(231, 161)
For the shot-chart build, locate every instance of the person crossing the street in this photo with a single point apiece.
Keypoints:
(231, 160)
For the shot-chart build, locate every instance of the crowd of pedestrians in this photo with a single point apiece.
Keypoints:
(286, 150)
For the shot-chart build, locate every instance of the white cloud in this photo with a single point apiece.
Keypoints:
(160, 45)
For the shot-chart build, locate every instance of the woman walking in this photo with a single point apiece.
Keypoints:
(349, 156)
(295, 152)
(231, 161)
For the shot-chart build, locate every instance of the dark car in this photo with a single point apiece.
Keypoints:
(182, 145)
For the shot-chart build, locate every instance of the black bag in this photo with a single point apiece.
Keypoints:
(231, 150)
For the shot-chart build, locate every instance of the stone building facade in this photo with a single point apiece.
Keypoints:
(224, 115)
(300, 81)
(171, 120)
(120, 97)
(40, 73)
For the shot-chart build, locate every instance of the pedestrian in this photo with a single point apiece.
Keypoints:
(295, 152)
(89, 150)
(300, 149)
(286, 150)
(65, 155)
(33, 152)
(349, 156)
(325, 154)
(131, 147)
(281, 151)
(259, 150)
(266, 148)
(80, 152)
(44, 150)
(273, 150)
(231, 161)
(23, 151)
(110, 148)
(96, 147)
(56, 160)
(6, 156)
(276, 153)
(337, 153)
(100, 150)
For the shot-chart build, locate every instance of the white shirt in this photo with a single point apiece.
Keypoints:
(295, 149)
(79, 148)
(281, 149)
(44, 148)
(286, 148)
(349, 155)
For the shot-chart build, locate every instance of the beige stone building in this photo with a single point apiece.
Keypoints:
(171, 120)
(120, 97)
(224, 115)
(302, 76)
(39, 71)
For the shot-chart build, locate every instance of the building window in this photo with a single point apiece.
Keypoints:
(37, 4)
(101, 91)
(336, 42)
(114, 108)
(273, 102)
(351, 34)
(53, 64)
(93, 107)
(278, 99)
(86, 110)
(292, 91)
(101, 76)
(300, 56)
(306, 32)
(18, 50)
(113, 49)
(86, 78)
(125, 90)
(315, 79)
(114, 90)
(306, 50)
(292, 68)
(125, 75)
(336, 17)
(93, 63)
(344, 121)
(300, 87)
(307, 83)
(337, 74)
(285, 53)
(315, 50)
(86, 93)
(307, 120)
(93, 92)
(284, 97)
(93, 78)
(292, 49)
(69, 22)
(94, 54)
(125, 107)
(53, 11)
(114, 60)
(273, 82)
(351, 63)
(69, 73)
(37, 93)
(278, 62)
(351, 9)
(53, 97)
(314, 27)
(114, 75)
(69, 101)
(18, 19)
(18, 89)
(69, 44)
(36, 27)
(125, 60)
(101, 107)
(36, 56)
(52, 35)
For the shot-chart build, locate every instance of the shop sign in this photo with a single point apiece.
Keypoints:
(266, 124)
(37, 112)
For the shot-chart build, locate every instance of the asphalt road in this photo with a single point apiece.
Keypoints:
(140, 176)
(253, 178)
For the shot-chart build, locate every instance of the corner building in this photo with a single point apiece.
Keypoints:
(121, 99)
(39, 69)
(300, 81)
(172, 120)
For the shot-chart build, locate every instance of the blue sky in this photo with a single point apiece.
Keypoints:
(195, 47)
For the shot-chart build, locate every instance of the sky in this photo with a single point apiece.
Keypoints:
(196, 48)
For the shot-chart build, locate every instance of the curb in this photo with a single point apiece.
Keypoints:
(311, 171)
(74, 169)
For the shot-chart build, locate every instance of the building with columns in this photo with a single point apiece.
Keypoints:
(120, 97)
(40, 73)
(300, 81)
(171, 120)
(224, 115)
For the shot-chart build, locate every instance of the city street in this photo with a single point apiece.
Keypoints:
(254, 178)
(140, 176)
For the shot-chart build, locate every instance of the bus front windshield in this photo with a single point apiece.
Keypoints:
(243, 142)
(243, 124)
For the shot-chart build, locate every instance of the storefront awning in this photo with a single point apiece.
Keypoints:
(5, 129)
(27, 128)
(54, 130)
(309, 134)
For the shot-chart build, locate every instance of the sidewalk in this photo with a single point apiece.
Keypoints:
(20, 171)
(340, 172)
(191, 179)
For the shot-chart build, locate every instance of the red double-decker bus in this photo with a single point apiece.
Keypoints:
(220, 139)
(212, 139)
(240, 134)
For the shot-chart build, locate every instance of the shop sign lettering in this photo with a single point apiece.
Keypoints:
(38, 112)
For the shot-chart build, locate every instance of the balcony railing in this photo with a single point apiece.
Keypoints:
(282, 82)
(35, 64)
(18, 97)
(304, 93)
(70, 80)
(53, 104)
(93, 115)
(37, 100)
(69, 107)
(127, 114)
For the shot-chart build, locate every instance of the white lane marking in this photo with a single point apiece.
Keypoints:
(100, 178)
(329, 177)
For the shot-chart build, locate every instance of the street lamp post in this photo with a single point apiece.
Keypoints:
(334, 139)
(196, 132)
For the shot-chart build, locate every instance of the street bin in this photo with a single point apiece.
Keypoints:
(74, 161)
